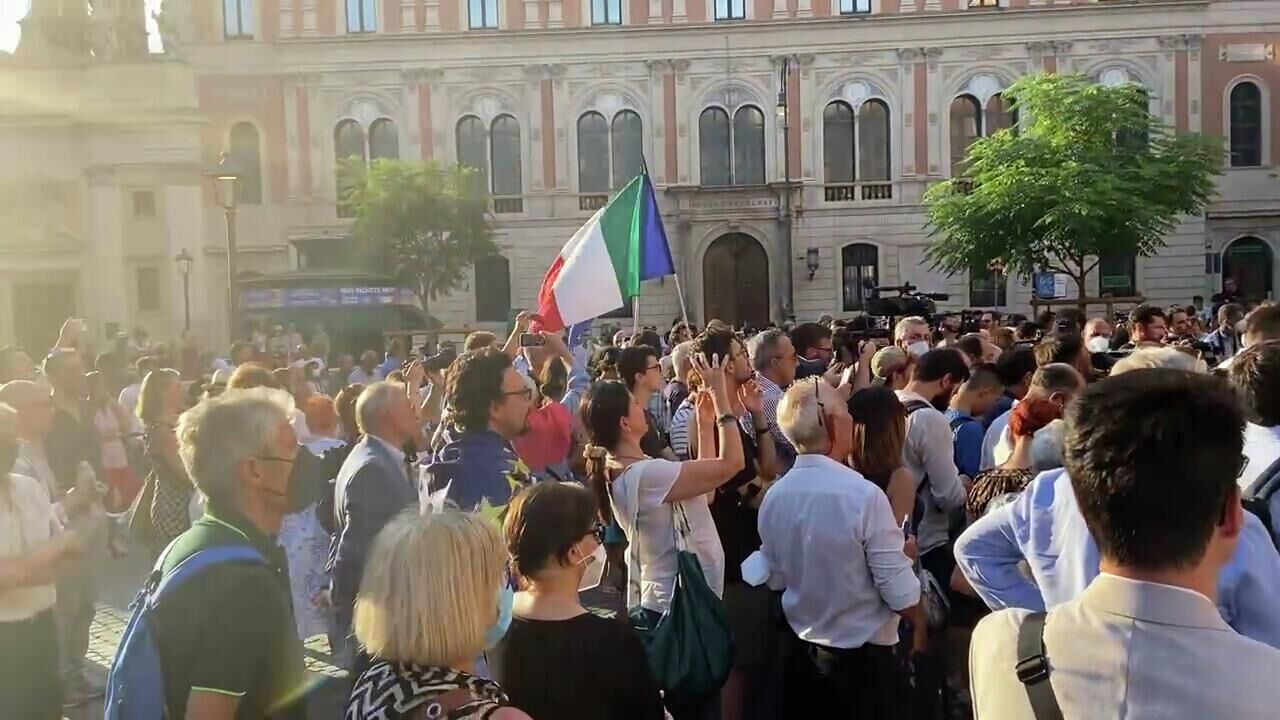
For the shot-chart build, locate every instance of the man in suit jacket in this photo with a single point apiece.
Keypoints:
(1153, 457)
(373, 486)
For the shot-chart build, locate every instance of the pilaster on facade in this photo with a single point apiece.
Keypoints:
(438, 119)
(684, 92)
(780, 10)
(431, 11)
(657, 156)
(301, 148)
(805, 88)
(555, 74)
(679, 14)
(533, 77)
(655, 13)
(907, 6)
(937, 106)
(532, 18)
(1195, 118)
(103, 268)
(555, 13)
(804, 8)
(933, 5)
(408, 14)
(908, 58)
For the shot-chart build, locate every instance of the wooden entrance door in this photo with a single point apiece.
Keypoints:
(1249, 262)
(735, 281)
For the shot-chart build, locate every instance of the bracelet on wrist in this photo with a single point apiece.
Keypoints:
(725, 419)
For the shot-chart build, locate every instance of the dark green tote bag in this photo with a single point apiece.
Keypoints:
(690, 648)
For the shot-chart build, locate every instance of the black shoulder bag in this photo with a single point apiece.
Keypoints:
(1033, 668)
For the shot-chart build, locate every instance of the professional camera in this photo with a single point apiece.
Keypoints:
(907, 303)
(444, 357)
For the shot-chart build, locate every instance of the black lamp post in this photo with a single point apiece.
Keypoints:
(184, 261)
(228, 182)
(784, 115)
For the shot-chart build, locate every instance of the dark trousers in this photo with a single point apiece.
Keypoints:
(30, 688)
(864, 683)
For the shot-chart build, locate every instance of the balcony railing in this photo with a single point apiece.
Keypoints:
(508, 204)
(592, 202)
(855, 192)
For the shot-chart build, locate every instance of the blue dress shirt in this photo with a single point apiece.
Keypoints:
(966, 434)
(1044, 527)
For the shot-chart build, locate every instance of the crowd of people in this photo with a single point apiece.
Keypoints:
(1068, 514)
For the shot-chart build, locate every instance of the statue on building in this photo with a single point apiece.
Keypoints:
(170, 25)
(118, 30)
(54, 32)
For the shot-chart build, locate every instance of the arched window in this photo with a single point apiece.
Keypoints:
(748, 146)
(237, 19)
(966, 126)
(987, 288)
(713, 146)
(244, 147)
(362, 16)
(837, 143)
(1000, 115)
(504, 154)
(1246, 125)
(348, 142)
(384, 140)
(873, 141)
(473, 150)
(627, 147)
(593, 153)
(492, 285)
(859, 270)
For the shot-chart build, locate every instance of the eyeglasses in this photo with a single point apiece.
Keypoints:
(1244, 463)
(653, 367)
(526, 393)
(597, 531)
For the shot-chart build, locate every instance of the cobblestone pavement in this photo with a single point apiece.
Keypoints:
(119, 580)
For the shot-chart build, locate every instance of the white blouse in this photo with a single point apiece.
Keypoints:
(26, 522)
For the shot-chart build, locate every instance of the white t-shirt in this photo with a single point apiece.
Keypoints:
(26, 522)
(645, 484)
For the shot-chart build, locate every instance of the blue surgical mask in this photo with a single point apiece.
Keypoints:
(499, 627)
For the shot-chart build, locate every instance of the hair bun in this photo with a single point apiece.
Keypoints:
(594, 452)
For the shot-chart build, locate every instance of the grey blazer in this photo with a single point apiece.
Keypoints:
(373, 486)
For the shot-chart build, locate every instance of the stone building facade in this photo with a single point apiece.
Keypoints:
(560, 100)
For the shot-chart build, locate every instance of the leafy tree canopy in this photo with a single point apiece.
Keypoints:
(418, 222)
(1087, 172)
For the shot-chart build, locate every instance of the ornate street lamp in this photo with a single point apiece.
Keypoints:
(184, 261)
(228, 182)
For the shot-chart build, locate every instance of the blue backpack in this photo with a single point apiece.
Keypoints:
(135, 686)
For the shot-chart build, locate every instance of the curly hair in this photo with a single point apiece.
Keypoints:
(474, 385)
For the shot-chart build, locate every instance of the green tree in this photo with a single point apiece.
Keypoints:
(418, 222)
(1088, 172)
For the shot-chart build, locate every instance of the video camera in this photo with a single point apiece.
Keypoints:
(908, 302)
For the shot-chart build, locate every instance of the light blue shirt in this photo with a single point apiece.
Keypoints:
(1044, 527)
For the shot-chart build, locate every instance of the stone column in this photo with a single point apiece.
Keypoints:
(103, 278)
(1167, 91)
(680, 68)
(1195, 118)
(1062, 55)
(411, 124)
(292, 151)
(935, 109)
(911, 115)
(560, 106)
(533, 75)
(805, 113)
(656, 152)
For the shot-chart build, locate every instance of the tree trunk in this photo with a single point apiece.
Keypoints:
(1080, 292)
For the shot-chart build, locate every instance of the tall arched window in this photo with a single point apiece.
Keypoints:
(593, 153)
(492, 285)
(748, 146)
(837, 143)
(384, 140)
(966, 126)
(504, 155)
(1000, 115)
(859, 269)
(873, 141)
(626, 147)
(473, 148)
(244, 147)
(348, 142)
(714, 148)
(1246, 125)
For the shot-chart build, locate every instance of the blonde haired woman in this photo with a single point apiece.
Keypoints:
(166, 497)
(434, 596)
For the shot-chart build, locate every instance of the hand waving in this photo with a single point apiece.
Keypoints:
(751, 397)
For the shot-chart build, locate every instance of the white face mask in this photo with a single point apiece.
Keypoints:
(595, 569)
(1098, 344)
(918, 348)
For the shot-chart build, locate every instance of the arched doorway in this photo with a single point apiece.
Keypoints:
(735, 281)
(1250, 262)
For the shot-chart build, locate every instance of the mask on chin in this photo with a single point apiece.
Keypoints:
(918, 348)
(594, 572)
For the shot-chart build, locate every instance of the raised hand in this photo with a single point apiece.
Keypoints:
(750, 396)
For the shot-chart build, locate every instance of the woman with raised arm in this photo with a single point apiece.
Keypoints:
(646, 494)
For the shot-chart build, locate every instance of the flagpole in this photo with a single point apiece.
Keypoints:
(635, 316)
(684, 313)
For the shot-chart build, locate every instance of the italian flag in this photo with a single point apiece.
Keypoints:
(601, 267)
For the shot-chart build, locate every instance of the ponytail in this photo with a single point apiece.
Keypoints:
(602, 411)
(598, 480)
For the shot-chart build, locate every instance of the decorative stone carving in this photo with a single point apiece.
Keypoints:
(910, 55)
(932, 55)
